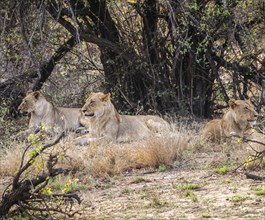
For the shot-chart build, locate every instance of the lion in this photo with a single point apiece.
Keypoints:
(237, 121)
(103, 121)
(44, 113)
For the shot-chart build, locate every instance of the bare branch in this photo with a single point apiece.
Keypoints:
(25, 192)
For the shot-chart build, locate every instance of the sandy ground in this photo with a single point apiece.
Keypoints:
(157, 196)
(162, 195)
(190, 190)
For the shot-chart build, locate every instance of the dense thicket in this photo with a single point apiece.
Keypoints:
(178, 56)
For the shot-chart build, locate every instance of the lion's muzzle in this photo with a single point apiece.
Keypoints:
(21, 111)
(88, 114)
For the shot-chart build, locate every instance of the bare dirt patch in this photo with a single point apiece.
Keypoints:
(169, 195)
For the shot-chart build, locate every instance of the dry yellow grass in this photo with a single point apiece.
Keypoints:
(10, 160)
(157, 151)
(101, 159)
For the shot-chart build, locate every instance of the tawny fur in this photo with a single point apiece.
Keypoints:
(238, 119)
(43, 112)
(103, 121)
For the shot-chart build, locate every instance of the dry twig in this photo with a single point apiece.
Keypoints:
(27, 192)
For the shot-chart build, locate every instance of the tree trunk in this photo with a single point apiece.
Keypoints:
(124, 78)
(13, 90)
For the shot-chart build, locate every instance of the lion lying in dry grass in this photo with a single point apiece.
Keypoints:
(238, 119)
(44, 113)
(103, 121)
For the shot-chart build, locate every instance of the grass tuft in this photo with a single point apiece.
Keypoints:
(191, 195)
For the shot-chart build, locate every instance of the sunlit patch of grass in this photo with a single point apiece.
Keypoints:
(190, 186)
(238, 198)
(125, 191)
(191, 195)
(162, 168)
(259, 190)
(227, 181)
(188, 190)
(154, 200)
(221, 170)
(58, 184)
(206, 215)
(137, 180)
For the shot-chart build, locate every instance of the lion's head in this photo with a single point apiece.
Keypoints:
(238, 119)
(29, 103)
(96, 104)
(243, 113)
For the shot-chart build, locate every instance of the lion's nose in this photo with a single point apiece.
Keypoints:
(19, 109)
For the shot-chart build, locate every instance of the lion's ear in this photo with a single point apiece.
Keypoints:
(106, 97)
(249, 101)
(36, 94)
(232, 103)
(89, 95)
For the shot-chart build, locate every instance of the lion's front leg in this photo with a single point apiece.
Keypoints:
(22, 135)
(85, 139)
